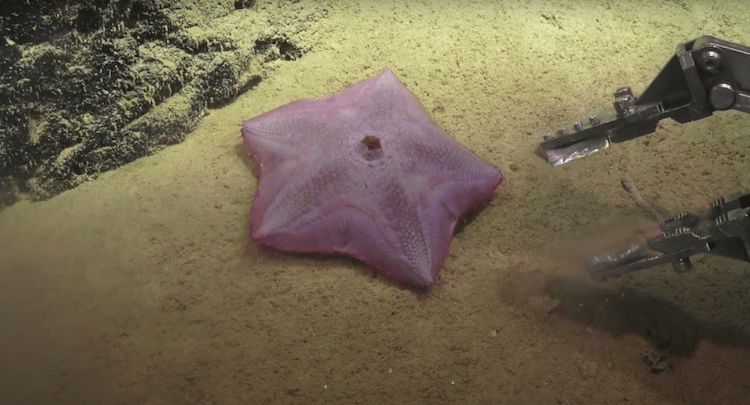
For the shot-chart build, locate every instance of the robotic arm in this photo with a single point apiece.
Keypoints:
(705, 75)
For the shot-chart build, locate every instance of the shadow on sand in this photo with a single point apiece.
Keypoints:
(624, 310)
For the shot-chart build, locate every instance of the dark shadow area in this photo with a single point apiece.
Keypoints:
(625, 310)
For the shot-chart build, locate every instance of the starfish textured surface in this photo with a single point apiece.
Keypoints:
(367, 173)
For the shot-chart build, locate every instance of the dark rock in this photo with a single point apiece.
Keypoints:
(87, 86)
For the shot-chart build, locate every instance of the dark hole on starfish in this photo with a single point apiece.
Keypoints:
(370, 148)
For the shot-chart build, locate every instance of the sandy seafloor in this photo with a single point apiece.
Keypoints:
(142, 287)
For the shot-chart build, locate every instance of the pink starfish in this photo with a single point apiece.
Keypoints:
(366, 173)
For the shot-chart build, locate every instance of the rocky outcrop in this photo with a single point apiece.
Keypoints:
(87, 86)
